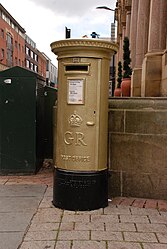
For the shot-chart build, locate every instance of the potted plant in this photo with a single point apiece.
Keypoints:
(117, 91)
(126, 82)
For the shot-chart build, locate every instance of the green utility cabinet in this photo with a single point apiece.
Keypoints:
(22, 116)
(50, 96)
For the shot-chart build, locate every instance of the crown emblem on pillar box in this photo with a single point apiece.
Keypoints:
(75, 120)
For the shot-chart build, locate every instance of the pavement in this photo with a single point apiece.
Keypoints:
(28, 220)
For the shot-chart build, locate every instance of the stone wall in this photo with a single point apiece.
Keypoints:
(138, 147)
(164, 74)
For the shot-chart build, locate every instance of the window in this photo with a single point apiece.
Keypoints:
(27, 64)
(35, 57)
(9, 38)
(9, 58)
(36, 68)
(19, 62)
(12, 24)
(2, 33)
(19, 46)
(32, 54)
(16, 29)
(32, 66)
(2, 54)
(3, 16)
(8, 20)
(27, 51)
(15, 44)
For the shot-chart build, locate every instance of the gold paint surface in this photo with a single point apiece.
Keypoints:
(82, 126)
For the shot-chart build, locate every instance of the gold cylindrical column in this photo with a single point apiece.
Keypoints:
(80, 181)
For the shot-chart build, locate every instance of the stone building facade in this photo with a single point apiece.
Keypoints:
(144, 22)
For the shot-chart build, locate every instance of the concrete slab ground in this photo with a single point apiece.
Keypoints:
(28, 220)
(18, 204)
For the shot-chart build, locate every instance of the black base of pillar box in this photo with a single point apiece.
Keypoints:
(80, 190)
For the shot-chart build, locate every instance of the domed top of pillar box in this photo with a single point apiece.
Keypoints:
(96, 48)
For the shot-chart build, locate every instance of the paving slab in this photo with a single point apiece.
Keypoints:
(15, 222)
(89, 245)
(38, 245)
(22, 190)
(18, 204)
(154, 246)
(124, 245)
(140, 237)
(63, 245)
(10, 241)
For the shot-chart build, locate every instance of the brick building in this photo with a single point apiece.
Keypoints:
(42, 64)
(17, 48)
(12, 41)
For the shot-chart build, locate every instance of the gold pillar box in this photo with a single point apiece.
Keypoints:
(80, 155)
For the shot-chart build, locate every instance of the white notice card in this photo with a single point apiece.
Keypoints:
(76, 91)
